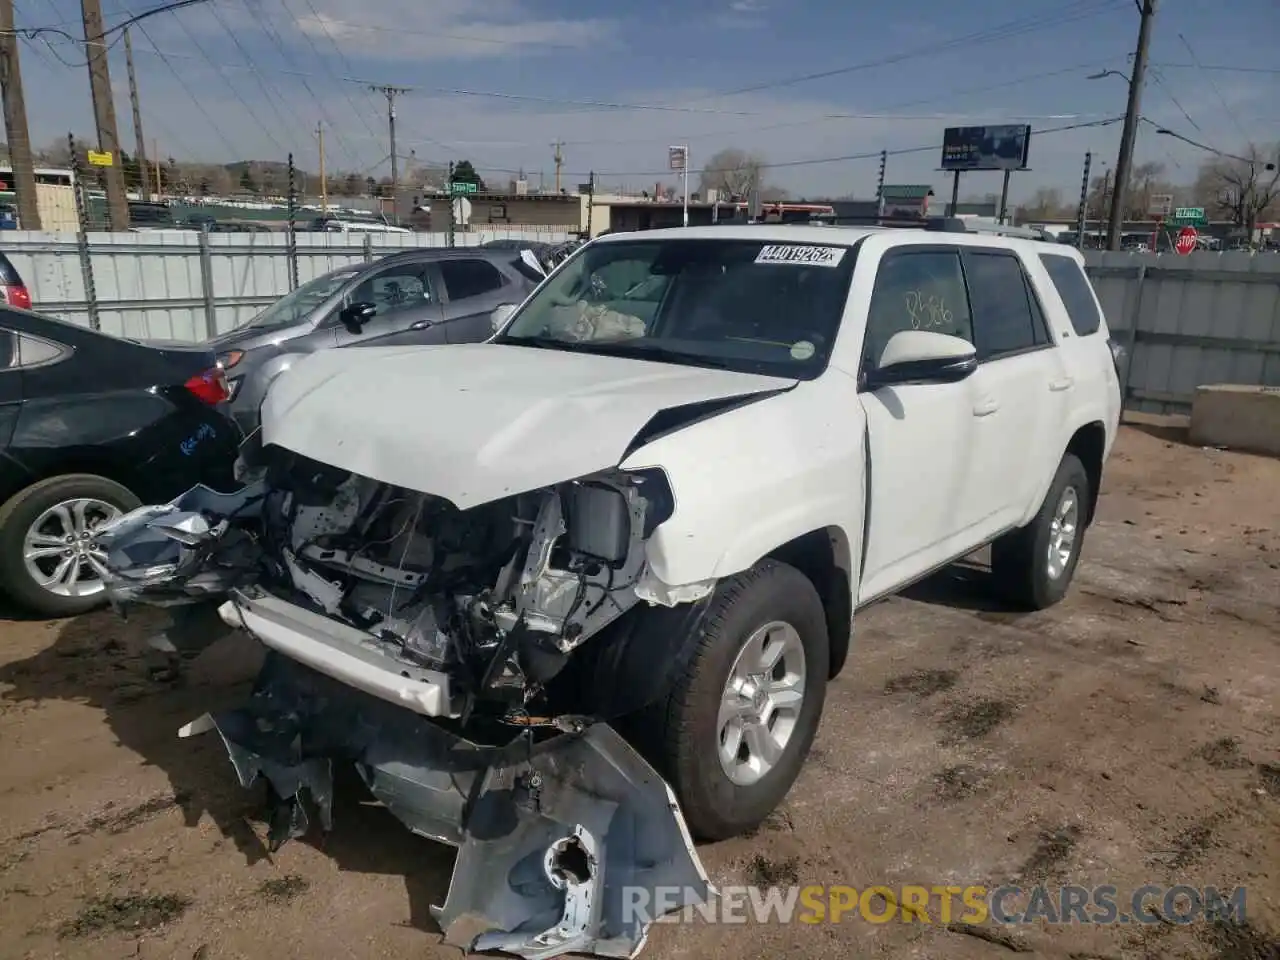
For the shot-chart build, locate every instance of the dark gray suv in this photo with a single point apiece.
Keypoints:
(431, 295)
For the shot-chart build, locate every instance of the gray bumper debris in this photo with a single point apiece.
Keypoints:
(554, 838)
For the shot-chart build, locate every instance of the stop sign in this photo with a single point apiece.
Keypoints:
(1186, 241)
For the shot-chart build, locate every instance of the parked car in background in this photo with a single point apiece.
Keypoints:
(90, 426)
(13, 291)
(423, 296)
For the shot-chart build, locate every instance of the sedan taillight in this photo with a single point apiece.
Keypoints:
(16, 295)
(210, 386)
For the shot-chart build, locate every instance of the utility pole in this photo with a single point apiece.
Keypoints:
(104, 111)
(1124, 162)
(144, 188)
(558, 156)
(324, 183)
(391, 93)
(15, 122)
(1082, 212)
(884, 162)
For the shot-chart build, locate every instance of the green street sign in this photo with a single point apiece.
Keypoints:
(457, 187)
(1189, 214)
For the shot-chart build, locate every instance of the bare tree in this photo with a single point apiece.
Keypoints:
(1244, 188)
(1045, 204)
(731, 172)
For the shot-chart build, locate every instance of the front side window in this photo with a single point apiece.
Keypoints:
(1003, 322)
(398, 288)
(916, 290)
(747, 305)
(469, 278)
(297, 306)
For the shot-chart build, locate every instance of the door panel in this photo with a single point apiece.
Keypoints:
(1020, 385)
(10, 385)
(473, 288)
(405, 296)
(919, 436)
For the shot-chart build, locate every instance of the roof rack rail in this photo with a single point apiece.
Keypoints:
(962, 225)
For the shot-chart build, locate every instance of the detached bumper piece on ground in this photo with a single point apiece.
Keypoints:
(562, 829)
(552, 837)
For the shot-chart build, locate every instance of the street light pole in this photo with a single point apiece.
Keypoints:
(1124, 162)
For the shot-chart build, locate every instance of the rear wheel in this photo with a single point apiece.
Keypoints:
(50, 561)
(1033, 565)
(733, 732)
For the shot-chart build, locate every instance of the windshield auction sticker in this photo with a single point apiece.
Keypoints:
(801, 256)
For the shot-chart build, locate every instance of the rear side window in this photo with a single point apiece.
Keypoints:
(1003, 321)
(469, 278)
(1077, 296)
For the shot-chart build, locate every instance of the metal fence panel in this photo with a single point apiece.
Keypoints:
(1200, 319)
(152, 285)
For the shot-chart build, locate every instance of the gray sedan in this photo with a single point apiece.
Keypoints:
(414, 297)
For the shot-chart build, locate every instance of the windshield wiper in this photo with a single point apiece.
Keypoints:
(629, 349)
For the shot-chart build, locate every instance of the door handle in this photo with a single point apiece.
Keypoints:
(1066, 383)
(421, 324)
(984, 408)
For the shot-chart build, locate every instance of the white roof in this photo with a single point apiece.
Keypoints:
(773, 232)
(844, 236)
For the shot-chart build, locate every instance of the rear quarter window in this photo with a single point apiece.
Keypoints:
(1076, 293)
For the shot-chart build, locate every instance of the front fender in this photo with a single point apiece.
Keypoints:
(756, 477)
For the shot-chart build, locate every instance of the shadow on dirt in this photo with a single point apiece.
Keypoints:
(965, 585)
(101, 661)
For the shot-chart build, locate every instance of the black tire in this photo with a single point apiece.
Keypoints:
(1020, 562)
(678, 733)
(22, 510)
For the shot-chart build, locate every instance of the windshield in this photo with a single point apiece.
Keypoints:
(293, 307)
(747, 305)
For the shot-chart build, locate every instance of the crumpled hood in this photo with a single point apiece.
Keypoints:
(476, 422)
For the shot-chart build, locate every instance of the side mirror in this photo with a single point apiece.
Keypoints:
(501, 314)
(354, 316)
(921, 356)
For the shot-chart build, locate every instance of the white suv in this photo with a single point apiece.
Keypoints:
(656, 497)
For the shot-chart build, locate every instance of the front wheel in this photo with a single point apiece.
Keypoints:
(734, 730)
(50, 561)
(1033, 566)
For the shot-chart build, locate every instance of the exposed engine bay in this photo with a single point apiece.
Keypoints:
(496, 596)
(428, 647)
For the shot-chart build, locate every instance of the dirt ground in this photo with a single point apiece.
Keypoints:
(1130, 735)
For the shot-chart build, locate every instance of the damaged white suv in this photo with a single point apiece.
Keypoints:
(635, 523)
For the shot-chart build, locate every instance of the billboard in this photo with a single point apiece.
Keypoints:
(986, 148)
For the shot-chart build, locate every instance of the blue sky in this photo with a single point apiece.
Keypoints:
(250, 79)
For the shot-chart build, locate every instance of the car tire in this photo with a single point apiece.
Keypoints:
(1033, 565)
(28, 513)
(684, 733)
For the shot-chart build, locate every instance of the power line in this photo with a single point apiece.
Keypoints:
(343, 145)
(1217, 68)
(817, 161)
(1221, 99)
(234, 92)
(1012, 28)
(346, 64)
(269, 95)
(821, 118)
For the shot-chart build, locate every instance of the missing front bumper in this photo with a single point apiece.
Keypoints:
(555, 839)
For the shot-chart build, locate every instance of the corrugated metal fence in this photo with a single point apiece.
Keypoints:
(188, 286)
(1186, 321)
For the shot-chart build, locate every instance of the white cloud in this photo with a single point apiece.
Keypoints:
(441, 30)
